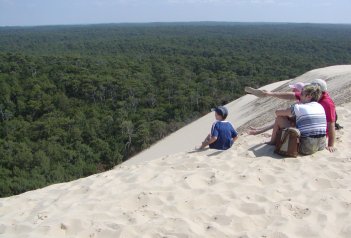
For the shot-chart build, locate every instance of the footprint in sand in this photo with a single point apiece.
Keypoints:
(266, 179)
(334, 175)
(322, 220)
(298, 212)
(275, 234)
(40, 217)
(260, 198)
(2, 229)
(222, 220)
(200, 180)
(321, 183)
(209, 200)
(251, 209)
(345, 232)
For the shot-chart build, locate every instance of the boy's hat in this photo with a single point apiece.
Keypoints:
(221, 111)
(298, 86)
(321, 84)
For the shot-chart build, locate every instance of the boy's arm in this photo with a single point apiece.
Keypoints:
(210, 141)
(235, 138)
(281, 95)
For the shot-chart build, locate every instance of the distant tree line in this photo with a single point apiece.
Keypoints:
(77, 100)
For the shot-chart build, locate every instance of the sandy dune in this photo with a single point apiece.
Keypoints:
(246, 191)
(249, 110)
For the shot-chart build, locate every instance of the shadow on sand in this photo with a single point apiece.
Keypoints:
(259, 150)
(215, 152)
(264, 149)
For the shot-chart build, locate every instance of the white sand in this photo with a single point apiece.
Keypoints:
(246, 191)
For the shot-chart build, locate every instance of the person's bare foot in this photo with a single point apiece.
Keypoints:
(269, 143)
(199, 148)
(254, 131)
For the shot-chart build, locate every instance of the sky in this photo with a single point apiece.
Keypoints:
(68, 12)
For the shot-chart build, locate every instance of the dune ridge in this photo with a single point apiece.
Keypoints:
(246, 191)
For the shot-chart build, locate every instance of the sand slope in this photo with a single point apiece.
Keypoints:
(249, 110)
(190, 136)
(246, 191)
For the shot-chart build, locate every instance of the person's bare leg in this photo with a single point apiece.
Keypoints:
(259, 130)
(280, 123)
(208, 137)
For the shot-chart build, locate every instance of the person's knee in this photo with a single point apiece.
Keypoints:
(282, 122)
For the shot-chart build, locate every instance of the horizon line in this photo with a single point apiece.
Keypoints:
(173, 22)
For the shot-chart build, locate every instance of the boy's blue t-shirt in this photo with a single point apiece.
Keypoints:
(225, 132)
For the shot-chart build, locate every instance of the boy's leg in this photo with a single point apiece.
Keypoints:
(207, 139)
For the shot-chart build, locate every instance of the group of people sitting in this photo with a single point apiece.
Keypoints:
(313, 115)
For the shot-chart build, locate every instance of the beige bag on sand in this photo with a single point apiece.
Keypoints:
(288, 141)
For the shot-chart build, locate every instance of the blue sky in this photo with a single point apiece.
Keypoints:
(56, 12)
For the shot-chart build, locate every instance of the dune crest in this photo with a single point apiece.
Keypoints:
(246, 191)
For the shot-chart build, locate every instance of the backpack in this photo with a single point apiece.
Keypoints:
(288, 140)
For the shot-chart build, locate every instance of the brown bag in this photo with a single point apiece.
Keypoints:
(288, 142)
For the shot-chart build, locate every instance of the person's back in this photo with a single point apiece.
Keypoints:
(329, 109)
(224, 131)
(327, 104)
(223, 134)
(310, 119)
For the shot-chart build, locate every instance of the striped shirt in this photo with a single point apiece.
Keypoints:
(310, 119)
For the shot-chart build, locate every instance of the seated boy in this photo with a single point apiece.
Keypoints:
(310, 120)
(222, 134)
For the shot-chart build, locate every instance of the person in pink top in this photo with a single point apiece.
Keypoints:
(297, 87)
(325, 101)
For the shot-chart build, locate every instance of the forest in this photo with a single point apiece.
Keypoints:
(78, 100)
